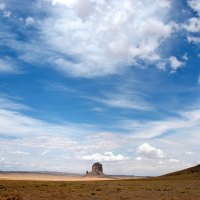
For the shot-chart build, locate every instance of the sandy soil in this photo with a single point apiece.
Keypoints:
(46, 177)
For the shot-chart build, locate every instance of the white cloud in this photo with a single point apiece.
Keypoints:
(193, 25)
(160, 162)
(45, 152)
(195, 5)
(173, 160)
(7, 13)
(175, 63)
(100, 36)
(106, 157)
(152, 129)
(123, 101)
(83, 8)
(62, 157)
(20, 153)
(185, 57)
(64, 2)
(193, 39)
(35, 133)
(59, 87)
(161, 65)
(123, 98)
(164, 3)
(2, 6)
(190, 153)
(49, 142)
(138, 158)
(6, 103)
(29, 21)
(147, 151)
(106, 141)
(2, 159)
(7, 66)
(25, 125)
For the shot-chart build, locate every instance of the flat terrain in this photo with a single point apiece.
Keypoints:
(174, 188)
(51, 176)
(46, 177)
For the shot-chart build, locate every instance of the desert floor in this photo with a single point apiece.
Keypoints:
(175, 188)
(46, 177)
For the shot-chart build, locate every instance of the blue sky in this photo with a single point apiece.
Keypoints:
(99, 80)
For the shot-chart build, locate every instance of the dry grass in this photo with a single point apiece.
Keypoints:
(176, 188)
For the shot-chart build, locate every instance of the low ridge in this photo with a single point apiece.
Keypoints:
(192, 171)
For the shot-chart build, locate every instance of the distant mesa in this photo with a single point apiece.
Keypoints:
(97, 170)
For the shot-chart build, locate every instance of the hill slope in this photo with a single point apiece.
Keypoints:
(189, 172)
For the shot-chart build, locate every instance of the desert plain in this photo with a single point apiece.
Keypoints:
(183, 186)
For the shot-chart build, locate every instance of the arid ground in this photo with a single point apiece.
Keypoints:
(162, 188)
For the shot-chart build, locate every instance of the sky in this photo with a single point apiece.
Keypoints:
(110, 81)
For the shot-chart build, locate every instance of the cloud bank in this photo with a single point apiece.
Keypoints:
(95, 38)
(42, 145)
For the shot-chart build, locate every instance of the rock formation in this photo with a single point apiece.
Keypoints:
(97, 170)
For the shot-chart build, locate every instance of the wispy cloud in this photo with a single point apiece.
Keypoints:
(121, 101)
(25, 125)
(7, 102)
(124, 96)
(20, 153)
(56, 86)
(151, 129)
(7, 66)
(87, 143)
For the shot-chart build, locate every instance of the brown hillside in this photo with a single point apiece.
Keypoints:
(192, 171)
